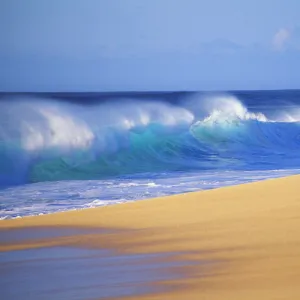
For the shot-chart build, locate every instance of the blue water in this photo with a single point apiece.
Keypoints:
(71, 151)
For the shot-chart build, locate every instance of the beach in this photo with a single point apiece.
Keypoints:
(239, 242)
(149, 150)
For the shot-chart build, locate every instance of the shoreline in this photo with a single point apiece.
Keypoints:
(251, 232)
(54, 218)
(127, 190)
(29, 219)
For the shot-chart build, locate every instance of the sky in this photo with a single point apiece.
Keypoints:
(140, 45)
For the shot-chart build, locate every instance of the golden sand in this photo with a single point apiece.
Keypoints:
(250, 233)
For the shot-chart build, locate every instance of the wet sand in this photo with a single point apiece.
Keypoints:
(77, 273)
(240, 242)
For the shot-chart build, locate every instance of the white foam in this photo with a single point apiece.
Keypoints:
(43, 124)
(69, 195)
(60, 130)
(222, 108)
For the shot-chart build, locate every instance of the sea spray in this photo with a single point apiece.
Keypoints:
(48, 140)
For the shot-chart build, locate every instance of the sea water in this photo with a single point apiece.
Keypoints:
(76, 150)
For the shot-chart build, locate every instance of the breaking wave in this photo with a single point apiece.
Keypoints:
(49, 140)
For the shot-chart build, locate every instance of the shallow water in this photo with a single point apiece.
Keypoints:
(48, 197)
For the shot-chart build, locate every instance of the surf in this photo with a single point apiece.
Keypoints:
(43, 139)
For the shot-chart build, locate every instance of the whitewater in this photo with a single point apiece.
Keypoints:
(61, 152)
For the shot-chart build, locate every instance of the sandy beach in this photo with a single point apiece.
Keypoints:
(248, 235)
(149, 150)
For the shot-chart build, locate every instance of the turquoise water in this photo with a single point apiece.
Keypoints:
(71, 151)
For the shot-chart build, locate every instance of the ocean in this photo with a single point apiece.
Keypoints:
(64, 151)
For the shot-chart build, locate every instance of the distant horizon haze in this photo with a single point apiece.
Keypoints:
(159, 45)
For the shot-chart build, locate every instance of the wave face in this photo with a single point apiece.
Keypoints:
(50, 140)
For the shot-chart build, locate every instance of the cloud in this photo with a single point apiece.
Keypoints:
(280, 39)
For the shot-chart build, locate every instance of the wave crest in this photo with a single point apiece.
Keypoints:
(43, 139)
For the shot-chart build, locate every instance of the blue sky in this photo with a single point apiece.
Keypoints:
(118, 45)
